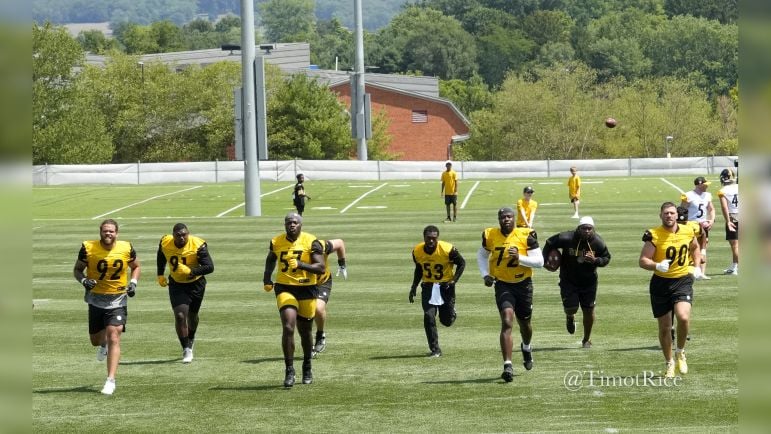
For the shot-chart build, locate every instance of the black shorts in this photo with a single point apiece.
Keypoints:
(324, 290)
(190, 294)
(665, 292)
(99, 319)
(574, 296)
(450, 199)
(730, 236)
(518, 296)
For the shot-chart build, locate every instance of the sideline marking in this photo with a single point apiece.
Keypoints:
(363, 196)
(244, 203)
(468, 196)
(673, 185)
(146, 200)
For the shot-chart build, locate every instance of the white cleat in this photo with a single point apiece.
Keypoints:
(109, 387)
(101, 353)
(187, 355)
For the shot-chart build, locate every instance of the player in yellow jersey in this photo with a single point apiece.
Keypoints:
(325, 289)
(439, 265)
(301, 258)
(450, 191)
(102, 268)
(668, 251)
(526, 208)
(574, 190)
(189, 261)
(506, 261)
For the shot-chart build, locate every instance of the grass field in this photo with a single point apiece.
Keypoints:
(373, 376)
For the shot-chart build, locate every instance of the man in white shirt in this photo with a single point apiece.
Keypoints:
(729, 204)
(700, 209)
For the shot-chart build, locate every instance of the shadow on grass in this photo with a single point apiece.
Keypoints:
(402, 356)
(87, 389)
(468, 381)
(150, 362)
(651, 348)
(544, 349)
(264, 360)
(250, 388)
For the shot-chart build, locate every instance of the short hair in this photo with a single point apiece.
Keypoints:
(109, 222)
(299, 175)
(430, 228)
(293, 214)
(178, 227)
(667, 205)
(503, 210)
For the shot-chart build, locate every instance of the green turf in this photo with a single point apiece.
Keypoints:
(373, 376)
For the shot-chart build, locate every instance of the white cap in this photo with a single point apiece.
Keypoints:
(448, 162)
(586, 220)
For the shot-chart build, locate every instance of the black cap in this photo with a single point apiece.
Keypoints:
(701, 181)
(528, 189)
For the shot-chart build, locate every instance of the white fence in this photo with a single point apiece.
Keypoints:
(233, 171)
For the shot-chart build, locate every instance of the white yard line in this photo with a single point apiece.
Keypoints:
(362, 197)
(468, 196)
(244, 203)
(673, 185)
(143, 201)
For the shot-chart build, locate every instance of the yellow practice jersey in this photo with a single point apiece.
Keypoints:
(526, 207)
(673, 246)
(450, 182)
(327, 251)
(574, 185)
(187, 255)
(108, 267)
(301, 249)
(437, 266)
(502, 266)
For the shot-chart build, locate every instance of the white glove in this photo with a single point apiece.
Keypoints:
(663, 266)
(343, 271)
(697, 274)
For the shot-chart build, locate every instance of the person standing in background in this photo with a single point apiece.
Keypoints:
(450, 191)
(526, 207)
(574, 190)
(299, 196)
(729, 205)
(700, 210)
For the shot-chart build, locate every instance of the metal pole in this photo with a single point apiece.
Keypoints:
(251, 163)
(361, 138)
(262, 123)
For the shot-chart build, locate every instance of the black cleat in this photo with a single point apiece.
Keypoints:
(570, 324)
(307, 373)
(289, 377)
(508, 373)
(527, 358)
(435, 353)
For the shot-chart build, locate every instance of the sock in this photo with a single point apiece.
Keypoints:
(526, 347)
(191, 336)
(507, 362)
(184, 341)
(678, 350)
(111, 380)
(320, 334)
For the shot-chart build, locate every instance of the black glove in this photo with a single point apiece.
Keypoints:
(87, 283)
(131, 290)
(412, 295)
(489, 280)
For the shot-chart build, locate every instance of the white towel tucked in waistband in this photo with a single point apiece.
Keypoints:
(436, 296)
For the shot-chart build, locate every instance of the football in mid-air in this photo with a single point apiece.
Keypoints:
(553, 260)
(610, 123)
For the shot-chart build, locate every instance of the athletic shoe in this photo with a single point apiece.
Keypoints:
(570, 324)
(109, 387)
(101, 353)
(435, 353)
(680, 363)
(732, 271)
(508, 373)
(320, 345)
(187, 355)
(289, 377)
(447, 220)
(575, 216)
(586, 343)
(527, 358)
(705, 277)
(307, 373)
(455, 219)
(670, 373)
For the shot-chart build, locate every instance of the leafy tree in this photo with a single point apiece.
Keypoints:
(543, 27)
(287, 20)
(377, 145)
(306, 120)
(332, 42)
(502, 51)
(469, 96)
(94, 41)
(65, 127)
(724, 11)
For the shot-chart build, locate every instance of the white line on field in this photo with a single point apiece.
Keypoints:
(673, 185)
(468, 196)
(244, 203)
(146, 200)
(363, 196)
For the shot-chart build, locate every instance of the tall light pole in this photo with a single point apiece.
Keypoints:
(357, 96)
(251, 162)
(667, 142)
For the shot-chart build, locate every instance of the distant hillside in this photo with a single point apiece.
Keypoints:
(376, 13)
